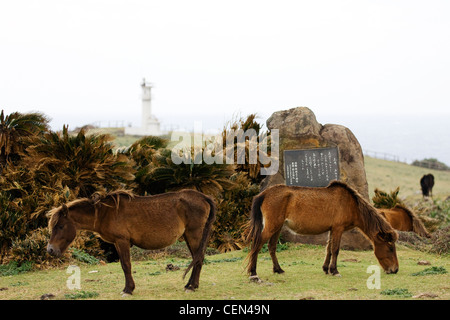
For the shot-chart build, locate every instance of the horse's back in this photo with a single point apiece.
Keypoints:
(307, 210)
(158, 221)
(398, 219)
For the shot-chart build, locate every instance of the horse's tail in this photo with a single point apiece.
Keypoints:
(254, 229)
(198, 256)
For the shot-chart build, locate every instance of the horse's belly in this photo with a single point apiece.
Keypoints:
(306, 227)
(158, 237)
(153, 245)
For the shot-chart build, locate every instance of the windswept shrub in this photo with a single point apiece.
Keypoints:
(55, 168)
(441, 241)
(14, 129)
(434, 214)
(162, 175)
(233, 214)
(247, 125)
(33, 248)
(385, 200)
(84, 163)
(142, 152)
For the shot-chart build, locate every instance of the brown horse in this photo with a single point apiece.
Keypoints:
(402, 219)
(305, 210)
(151, 222)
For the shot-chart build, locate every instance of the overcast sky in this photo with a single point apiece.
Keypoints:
(83, 61)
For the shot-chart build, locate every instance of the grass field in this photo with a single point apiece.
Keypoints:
(223, 277)
(388, 175)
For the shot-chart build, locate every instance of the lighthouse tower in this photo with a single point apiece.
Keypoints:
(149, 123)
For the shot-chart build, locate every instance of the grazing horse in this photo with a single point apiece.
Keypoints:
(402, 219)
(335, 208)
(151, 222)
(427, 183)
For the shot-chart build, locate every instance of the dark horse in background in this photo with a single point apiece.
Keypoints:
(427, 183)
(151, 222)
(336, 208)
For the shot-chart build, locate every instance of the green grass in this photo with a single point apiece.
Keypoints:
(388, 175)
(432, 270)
(13, 268)
(397, 292)
(223, 277)
(81, 295)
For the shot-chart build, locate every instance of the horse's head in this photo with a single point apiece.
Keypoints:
(384, 248)
(63, 231)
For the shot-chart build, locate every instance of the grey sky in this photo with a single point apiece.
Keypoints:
(82, 61)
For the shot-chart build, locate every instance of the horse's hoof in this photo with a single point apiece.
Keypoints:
(125, 294)
(255, 279)
(189, 290)
(337, 274)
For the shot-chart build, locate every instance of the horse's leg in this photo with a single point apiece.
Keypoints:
(193, 243)
(335, 244)
(326, 263)
(265, 236)
(123, 249)
(272, 250)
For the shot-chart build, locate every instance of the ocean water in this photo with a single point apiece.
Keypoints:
(407, 137)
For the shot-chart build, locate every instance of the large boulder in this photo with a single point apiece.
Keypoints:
(299, 129)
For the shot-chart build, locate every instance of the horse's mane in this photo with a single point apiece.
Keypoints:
(55, 213)
(373, 222)
(418, 226)
(95, 201)
(103, 197)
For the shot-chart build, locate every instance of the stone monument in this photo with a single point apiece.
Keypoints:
(299, 130)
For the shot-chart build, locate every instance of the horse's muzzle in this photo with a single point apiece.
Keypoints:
(53, 251)
(392, 270)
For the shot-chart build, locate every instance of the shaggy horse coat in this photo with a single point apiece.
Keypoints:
(305, 210)
(402, 219)
(151, 222)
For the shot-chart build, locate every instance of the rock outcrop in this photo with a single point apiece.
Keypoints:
(299, 129)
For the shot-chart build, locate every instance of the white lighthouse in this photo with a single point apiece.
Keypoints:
(149, 123)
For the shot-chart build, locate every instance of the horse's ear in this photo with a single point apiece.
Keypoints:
(64, 210)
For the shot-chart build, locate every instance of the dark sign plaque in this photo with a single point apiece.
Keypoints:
(311, 167)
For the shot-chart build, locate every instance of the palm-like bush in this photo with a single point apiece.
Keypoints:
(83, 163)
(142, 152)
(56, 168)
(233, 213)
(382, 199)
(50, 168)
(164, 175)
(253, 170)
(14, 128)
